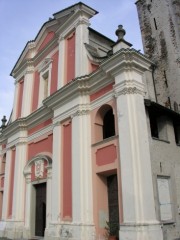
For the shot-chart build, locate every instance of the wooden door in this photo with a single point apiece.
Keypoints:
(40, 223)
(113, 198)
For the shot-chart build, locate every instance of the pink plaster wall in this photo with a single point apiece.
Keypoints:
(35, 91)
(11, 183)
(20, 97)
(67, 171)
(43, 145)
(70, 57)
(40, 126)
(54, 73)
(47, 39)
(105, 162)
(106, 155)
(101, 92)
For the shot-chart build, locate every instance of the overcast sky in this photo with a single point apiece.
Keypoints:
(20, 21)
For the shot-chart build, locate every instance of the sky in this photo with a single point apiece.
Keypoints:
(20, 21)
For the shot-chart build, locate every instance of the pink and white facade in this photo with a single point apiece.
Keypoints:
(78, 129)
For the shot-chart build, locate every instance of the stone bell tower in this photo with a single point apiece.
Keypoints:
(160, 29)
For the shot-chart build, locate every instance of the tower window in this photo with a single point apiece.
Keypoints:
(158, 125)
(177, 132)
(155, 24)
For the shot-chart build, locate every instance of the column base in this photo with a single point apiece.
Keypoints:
(141, 231)
(71, 231)
(12, 230)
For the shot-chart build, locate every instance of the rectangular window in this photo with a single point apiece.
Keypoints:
(155, 24)
(164, 194)
(177, 132)
(45, 84)
(158, 125)
(20, 98)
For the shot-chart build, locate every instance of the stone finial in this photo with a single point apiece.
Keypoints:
(120, 32)
(4, 120)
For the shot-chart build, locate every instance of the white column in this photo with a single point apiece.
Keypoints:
(82, 175)
(61, 62)
(139, 218)
(27, 93)
(56, 178)
(49, 196)
(19, 182)
(15, 102)
(29, 228)
(81, 58)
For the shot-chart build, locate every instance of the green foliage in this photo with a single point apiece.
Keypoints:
(112, 228)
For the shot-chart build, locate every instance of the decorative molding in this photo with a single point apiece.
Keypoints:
(27, 168)
(39, 168)
(30, 69)
(61, 38)
(28, 177)
(45, 64)
(31, 45)
(18, 141)
(56, 124)
(82, 21)
(82, 110)
(80, 113)
(129, 90)
(49, 172)
(129, 87)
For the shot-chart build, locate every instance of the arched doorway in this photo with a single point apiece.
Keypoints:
(37, 173)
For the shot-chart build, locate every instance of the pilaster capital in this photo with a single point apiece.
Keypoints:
(61, 38)
(45, 64)
(49, 172)
(56, 124)
(129, 87)
(28, 177)
(82, 110)
(29, 70)
(82, 21)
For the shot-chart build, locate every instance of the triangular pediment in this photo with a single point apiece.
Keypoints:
(48, 32)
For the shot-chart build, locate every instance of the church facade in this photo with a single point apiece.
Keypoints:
(88, 146)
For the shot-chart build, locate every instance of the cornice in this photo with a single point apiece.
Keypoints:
(77, 87)
(32, 62)
(14, 127)
(23, 124)
(126, 59)
(38, 116)
(16, 142)
(40, 133)
(71, 24)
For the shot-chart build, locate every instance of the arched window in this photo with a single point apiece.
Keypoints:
(104, 123)
(108, 124)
